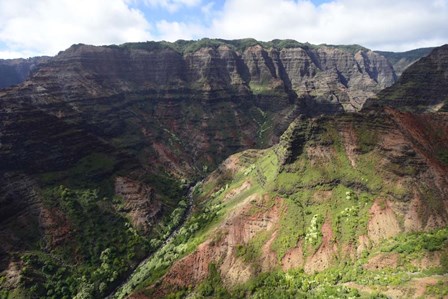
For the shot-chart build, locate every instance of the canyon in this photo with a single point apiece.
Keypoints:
(312, 159)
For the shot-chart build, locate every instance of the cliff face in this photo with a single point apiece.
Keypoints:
(306, 71)
(230, 99)
(402, 60)
(422, 86)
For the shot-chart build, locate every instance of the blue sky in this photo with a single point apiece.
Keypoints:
(45, 27)
(183, 13)
(201, 13)
(186, 13)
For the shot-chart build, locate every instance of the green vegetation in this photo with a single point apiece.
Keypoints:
(212, 287)
(277, 284)
(78, 267)
(442, 155)
(295, 283)
(91, 171)
(191, 46)
(313, 234)
(418, 242)
(318, 190)
(439, 290)
(264, 89)
(251, 252)
(350, 48)
(265, 125)
(184, 242)
(367, 138)
(81, 266)
(291, 228)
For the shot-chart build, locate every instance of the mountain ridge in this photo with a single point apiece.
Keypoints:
(422, 86)
(402, 60)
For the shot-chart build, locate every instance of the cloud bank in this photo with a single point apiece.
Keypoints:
(29, 27)
(378, 24)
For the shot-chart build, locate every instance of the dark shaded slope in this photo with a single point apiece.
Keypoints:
(15, 71)
(402, 60)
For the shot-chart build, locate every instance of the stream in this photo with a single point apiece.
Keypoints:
(173, 233)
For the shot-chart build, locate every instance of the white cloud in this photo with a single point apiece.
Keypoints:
(378, 24)
(44, 27)
(173, 5)
(172, 31)
(6, 54)
(30, 27)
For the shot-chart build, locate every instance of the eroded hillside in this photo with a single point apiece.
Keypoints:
(342, 206)
(422, 86)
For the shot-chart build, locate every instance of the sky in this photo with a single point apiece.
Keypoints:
(45, 27)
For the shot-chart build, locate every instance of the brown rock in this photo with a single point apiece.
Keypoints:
(139, 202)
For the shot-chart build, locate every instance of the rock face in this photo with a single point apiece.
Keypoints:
(402, 60)
(238, 229)
(197, 106)
(329, 74)
(164, 109)
(139, 202)
(15, 71)
(422, 86)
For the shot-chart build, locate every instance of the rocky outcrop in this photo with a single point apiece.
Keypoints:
(292, 142)
(336, 79)
(140, 204)
(348, 79)
(383, 222)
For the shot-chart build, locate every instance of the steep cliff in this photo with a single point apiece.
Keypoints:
(422, 86)
(402, 60)
(139, 96)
